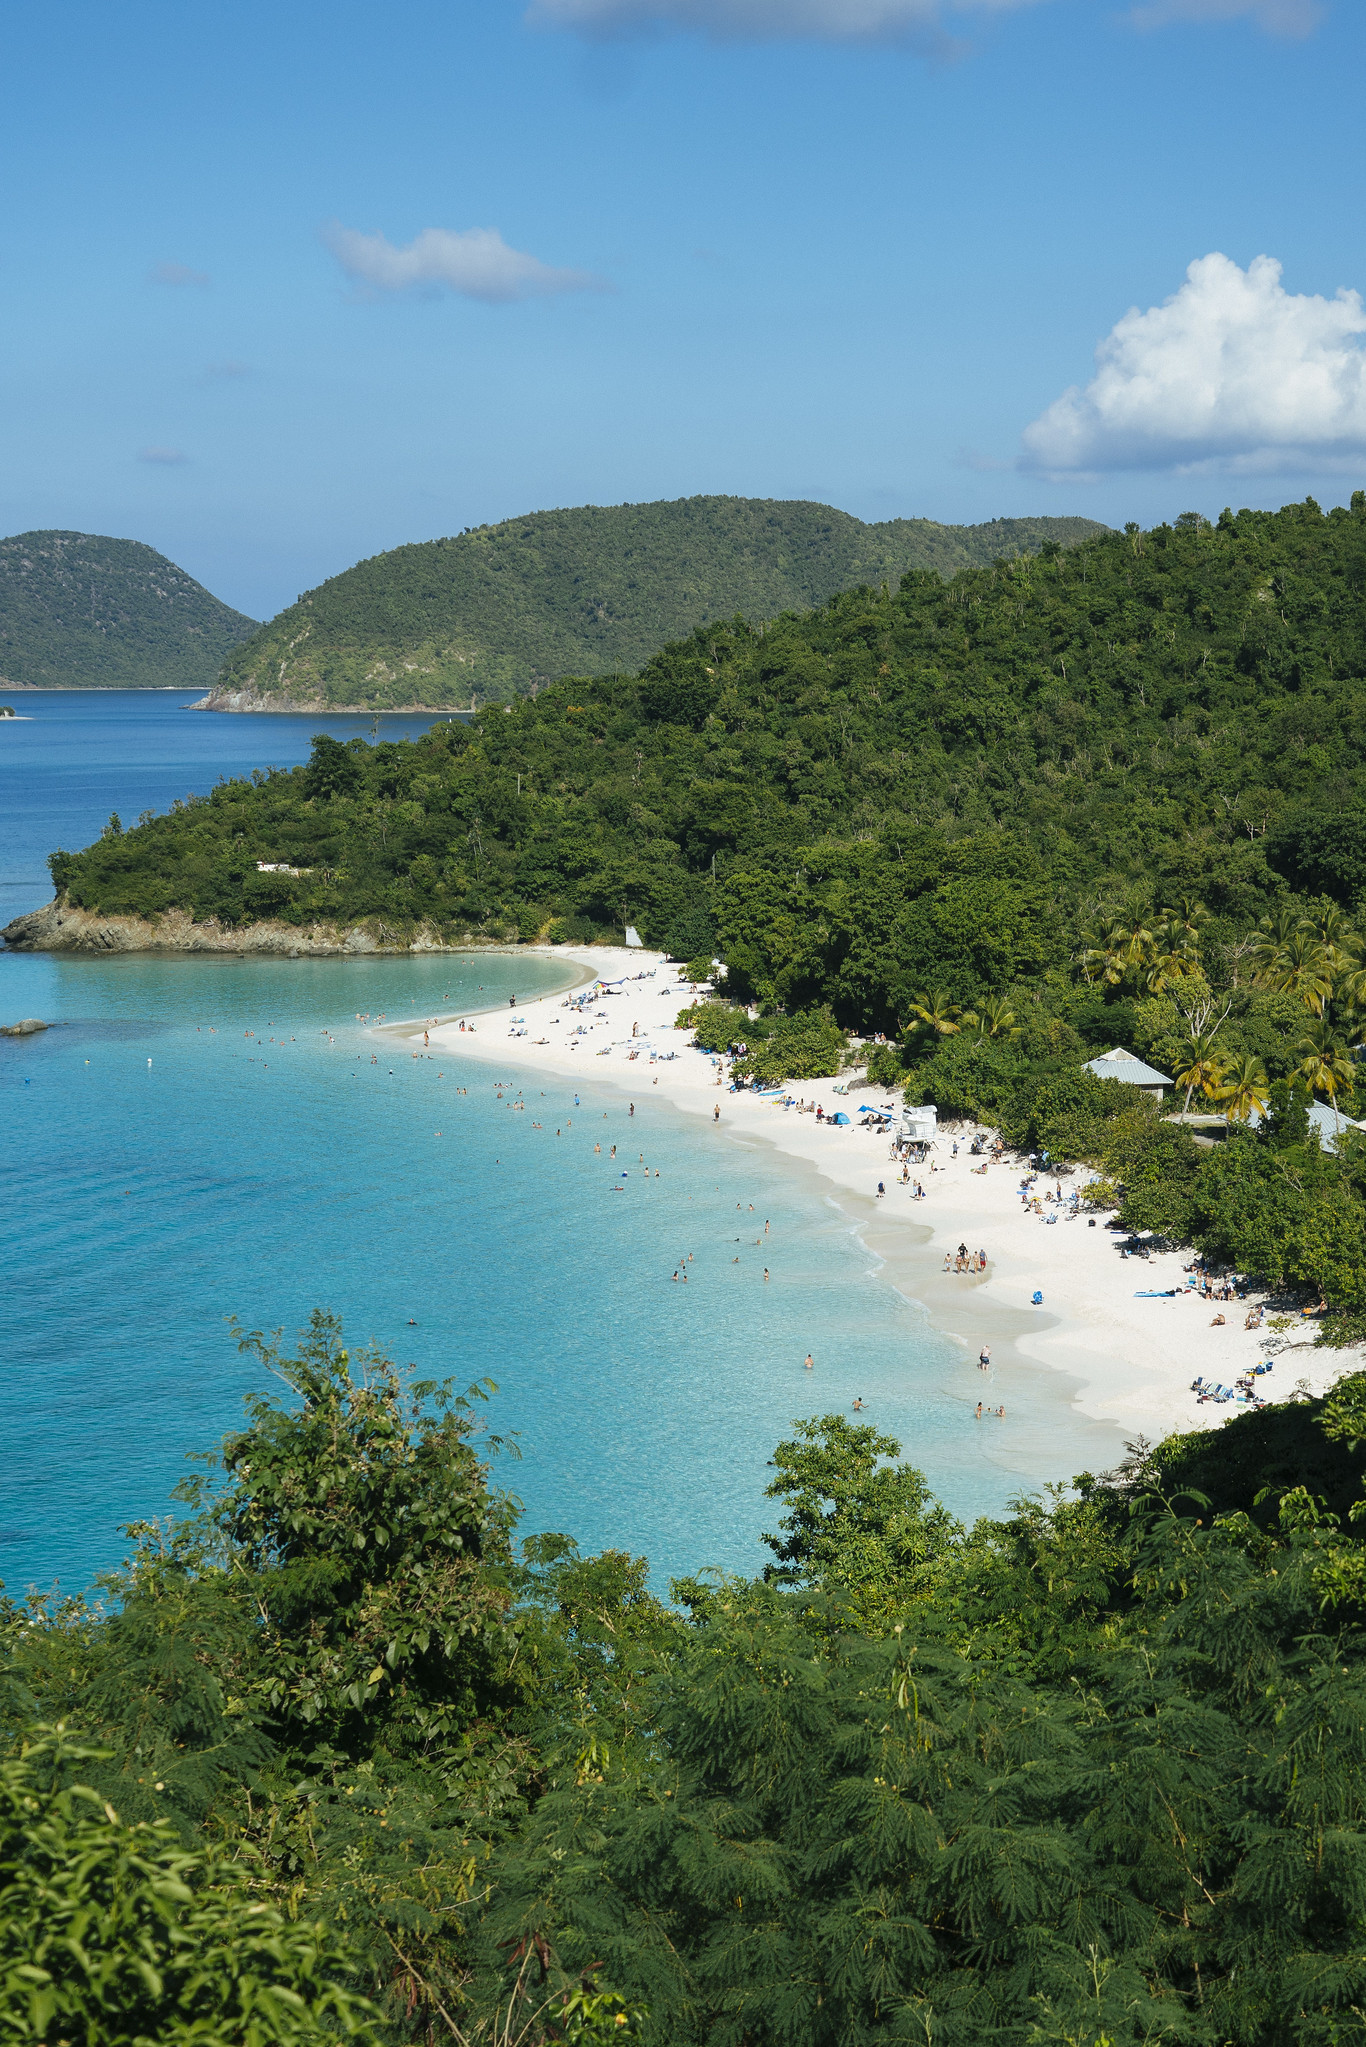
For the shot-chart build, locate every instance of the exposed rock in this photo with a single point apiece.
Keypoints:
(25, 1027)
(255, 700)
(58, 927)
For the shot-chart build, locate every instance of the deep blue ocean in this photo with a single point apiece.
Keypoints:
(197, 1138)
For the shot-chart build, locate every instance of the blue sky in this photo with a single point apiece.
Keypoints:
(854, 250)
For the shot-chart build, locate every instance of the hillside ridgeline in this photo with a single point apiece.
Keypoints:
(81, 611)
(501, 610)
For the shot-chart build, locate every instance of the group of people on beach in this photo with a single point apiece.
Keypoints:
(964, 1260)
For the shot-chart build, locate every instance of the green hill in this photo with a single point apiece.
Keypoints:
(500, 610)
(81, 611)
(1111, 796)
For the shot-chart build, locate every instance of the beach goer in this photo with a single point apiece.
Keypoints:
(631, 1110)
(765, 1275)
(881, 1190)
(985, 1359)
(858, 1405)
(810, 1361)
(716, 1112)
(979, 1410)
(1000, 1414)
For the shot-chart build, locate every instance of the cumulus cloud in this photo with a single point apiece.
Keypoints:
(1232, 371)
(1277, 17)
(165, 458)
(176, 274)
(475, 262)
(923, 22)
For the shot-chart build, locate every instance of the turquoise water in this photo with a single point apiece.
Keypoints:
(200, 1137)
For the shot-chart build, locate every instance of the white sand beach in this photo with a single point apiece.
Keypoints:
(1132, 1360)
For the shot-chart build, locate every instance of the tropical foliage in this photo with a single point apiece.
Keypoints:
(1089, 1773)
(499, 610)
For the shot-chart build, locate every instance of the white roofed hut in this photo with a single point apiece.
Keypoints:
(1133, 1071)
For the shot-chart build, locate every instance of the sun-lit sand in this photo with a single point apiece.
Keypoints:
(1133, 1360)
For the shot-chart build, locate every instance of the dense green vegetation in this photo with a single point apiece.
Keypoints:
(79, 611)
(340, 1755)
(498, 610)
(1110, 796)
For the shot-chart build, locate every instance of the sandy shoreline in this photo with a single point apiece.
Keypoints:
(1129, 1361)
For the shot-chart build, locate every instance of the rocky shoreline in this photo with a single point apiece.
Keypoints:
(255, 700)
(58, 927)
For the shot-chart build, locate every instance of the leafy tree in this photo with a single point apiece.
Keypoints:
(115, 1934)
(851, 1519)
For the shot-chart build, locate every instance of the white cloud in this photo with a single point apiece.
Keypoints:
(1232, 370)
(474, 261)
(871, 21)
(1277, 17)
(176, 274)
(166, 458)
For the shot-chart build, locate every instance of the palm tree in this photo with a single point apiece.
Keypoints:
(936, 1014)
(1327, 1065)
(1300, 966)
(1271, 937)
(1330, 926)
(1192, 913)
(992, 1019)
(1174, 954)
(1137, 947)
(1102, 955)
(1245, 1088)
(1204, 1067)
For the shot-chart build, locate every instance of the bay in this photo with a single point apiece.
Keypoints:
(197, 1138)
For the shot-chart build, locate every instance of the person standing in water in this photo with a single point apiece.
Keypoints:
(810, 1361)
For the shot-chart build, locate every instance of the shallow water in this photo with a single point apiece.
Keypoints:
(202, 1137)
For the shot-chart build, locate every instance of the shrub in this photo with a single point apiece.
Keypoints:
(803, 1047)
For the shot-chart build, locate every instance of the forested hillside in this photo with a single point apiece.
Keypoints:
(932, 784)
(79, 611)
(499, 610)
(342, 1757)
(1115, 795)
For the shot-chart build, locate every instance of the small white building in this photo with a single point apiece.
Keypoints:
(1133, 1071)
(920, 1125)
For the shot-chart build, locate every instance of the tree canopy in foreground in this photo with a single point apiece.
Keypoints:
(340, 1757)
